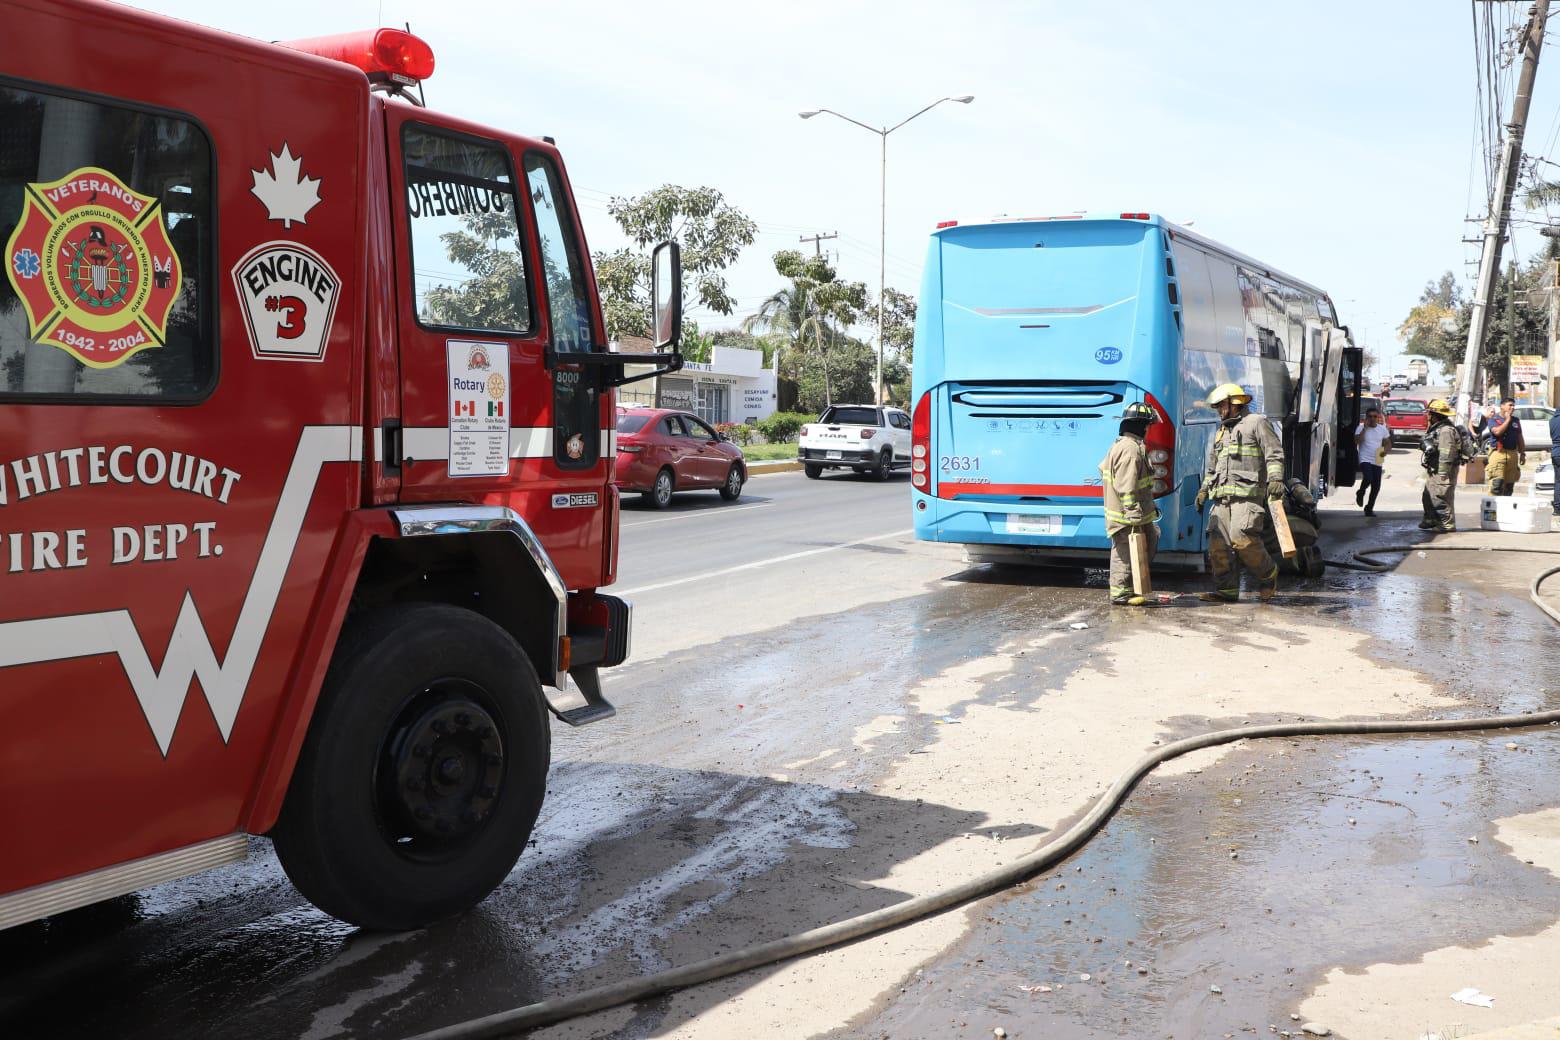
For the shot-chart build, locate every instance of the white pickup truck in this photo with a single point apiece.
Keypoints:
(863, 437)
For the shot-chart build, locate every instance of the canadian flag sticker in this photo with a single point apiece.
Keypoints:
(479, 408)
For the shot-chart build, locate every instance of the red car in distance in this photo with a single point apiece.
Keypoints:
(662, 451)
(1407, 420)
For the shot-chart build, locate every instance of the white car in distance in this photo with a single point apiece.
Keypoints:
(1534, 420)
(863, 437)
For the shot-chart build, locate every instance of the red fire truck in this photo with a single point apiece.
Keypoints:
(306, 440)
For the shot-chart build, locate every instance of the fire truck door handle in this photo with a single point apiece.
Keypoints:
(390, 434)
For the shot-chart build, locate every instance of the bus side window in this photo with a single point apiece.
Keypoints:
(1229, 288)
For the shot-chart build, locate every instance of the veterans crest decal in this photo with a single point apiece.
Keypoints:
(91, 262)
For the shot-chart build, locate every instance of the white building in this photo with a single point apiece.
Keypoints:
(733, 386)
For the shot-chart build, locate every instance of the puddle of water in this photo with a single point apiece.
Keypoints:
(1348, 852)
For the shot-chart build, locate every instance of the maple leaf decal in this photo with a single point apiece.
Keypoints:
(287, 195)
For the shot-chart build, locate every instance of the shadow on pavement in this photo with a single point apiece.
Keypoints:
(673, 867)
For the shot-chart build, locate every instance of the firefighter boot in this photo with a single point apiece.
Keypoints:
(1268, 588)
(1222, 566)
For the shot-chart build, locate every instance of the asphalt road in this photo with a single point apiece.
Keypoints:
(694, 542)
(822, 716)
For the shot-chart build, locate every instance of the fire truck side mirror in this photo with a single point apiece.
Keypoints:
(666, 295)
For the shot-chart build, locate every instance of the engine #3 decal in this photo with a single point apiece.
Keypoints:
(289, 296)
(92, 264)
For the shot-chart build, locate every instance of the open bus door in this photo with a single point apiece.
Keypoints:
(1346, 459)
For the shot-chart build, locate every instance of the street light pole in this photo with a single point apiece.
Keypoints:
(883, 133)
(877, 379)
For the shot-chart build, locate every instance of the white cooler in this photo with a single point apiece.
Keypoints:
(1519, 515)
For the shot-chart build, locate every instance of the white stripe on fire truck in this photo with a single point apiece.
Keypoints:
(432, 443)
(190, 654)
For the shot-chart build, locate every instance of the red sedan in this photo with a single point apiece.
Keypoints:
(661, 451)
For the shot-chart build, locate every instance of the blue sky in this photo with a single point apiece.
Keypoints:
(1335, 141)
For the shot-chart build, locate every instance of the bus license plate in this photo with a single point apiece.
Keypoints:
(1022, 523)
(832, 455)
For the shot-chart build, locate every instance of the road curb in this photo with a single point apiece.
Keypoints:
(756, 469)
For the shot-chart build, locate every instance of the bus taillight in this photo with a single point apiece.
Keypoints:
(921, 443)
(1160, 442)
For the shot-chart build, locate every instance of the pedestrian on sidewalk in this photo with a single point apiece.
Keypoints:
(1507, 450)
(1442, 448)
(1244, 468)
(1129, 503)
(1371, 437)
(1554, 455)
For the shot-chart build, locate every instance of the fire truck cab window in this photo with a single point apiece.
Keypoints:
(468, 261)
(107, 219)
(568, 306)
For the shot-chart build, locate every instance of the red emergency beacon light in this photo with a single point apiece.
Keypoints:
(386, 55)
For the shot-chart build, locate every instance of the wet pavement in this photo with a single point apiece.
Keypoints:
(740, 796)
(1256, 876)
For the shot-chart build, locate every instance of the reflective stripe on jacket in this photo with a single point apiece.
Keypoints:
(1242, 458)
(1128, 482)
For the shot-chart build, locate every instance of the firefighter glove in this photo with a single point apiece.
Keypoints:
(1202, 497)
(1275, 489)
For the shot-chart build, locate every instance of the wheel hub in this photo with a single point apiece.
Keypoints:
(447, 769)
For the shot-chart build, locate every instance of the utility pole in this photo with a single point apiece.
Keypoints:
(1500, 204)
(1511, 325)
(818, 240)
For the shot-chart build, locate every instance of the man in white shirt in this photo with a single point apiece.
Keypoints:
(1371, 437)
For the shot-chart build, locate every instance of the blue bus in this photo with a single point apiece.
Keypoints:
(1032, 333)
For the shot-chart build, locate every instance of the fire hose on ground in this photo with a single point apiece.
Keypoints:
(1053, 852)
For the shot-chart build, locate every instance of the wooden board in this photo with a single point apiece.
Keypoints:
(1138, 541)
(1286, 538)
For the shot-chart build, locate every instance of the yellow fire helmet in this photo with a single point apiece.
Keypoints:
(1440, 407)
(1231, 392)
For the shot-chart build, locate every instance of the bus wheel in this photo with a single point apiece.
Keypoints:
(423, 770)
(812, 470)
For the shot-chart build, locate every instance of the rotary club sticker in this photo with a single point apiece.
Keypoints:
(91, 262)
(479, 408)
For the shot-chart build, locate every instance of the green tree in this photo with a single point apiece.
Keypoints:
(1518, 320)
(712, 234)
(696, 345)
(1436, 326)
(810, 317)
(899, 342)
(899, 324)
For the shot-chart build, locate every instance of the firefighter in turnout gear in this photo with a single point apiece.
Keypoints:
(1245, 467)
(1129, 503)
(1442, 452)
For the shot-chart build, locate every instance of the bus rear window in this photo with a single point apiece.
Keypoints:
(1034, 270)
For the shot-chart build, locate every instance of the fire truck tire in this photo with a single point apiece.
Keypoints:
(423, 770)
(813, 471)
(731, 490)
(660, 494)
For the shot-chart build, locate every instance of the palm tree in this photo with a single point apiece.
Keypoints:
(810, 313)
